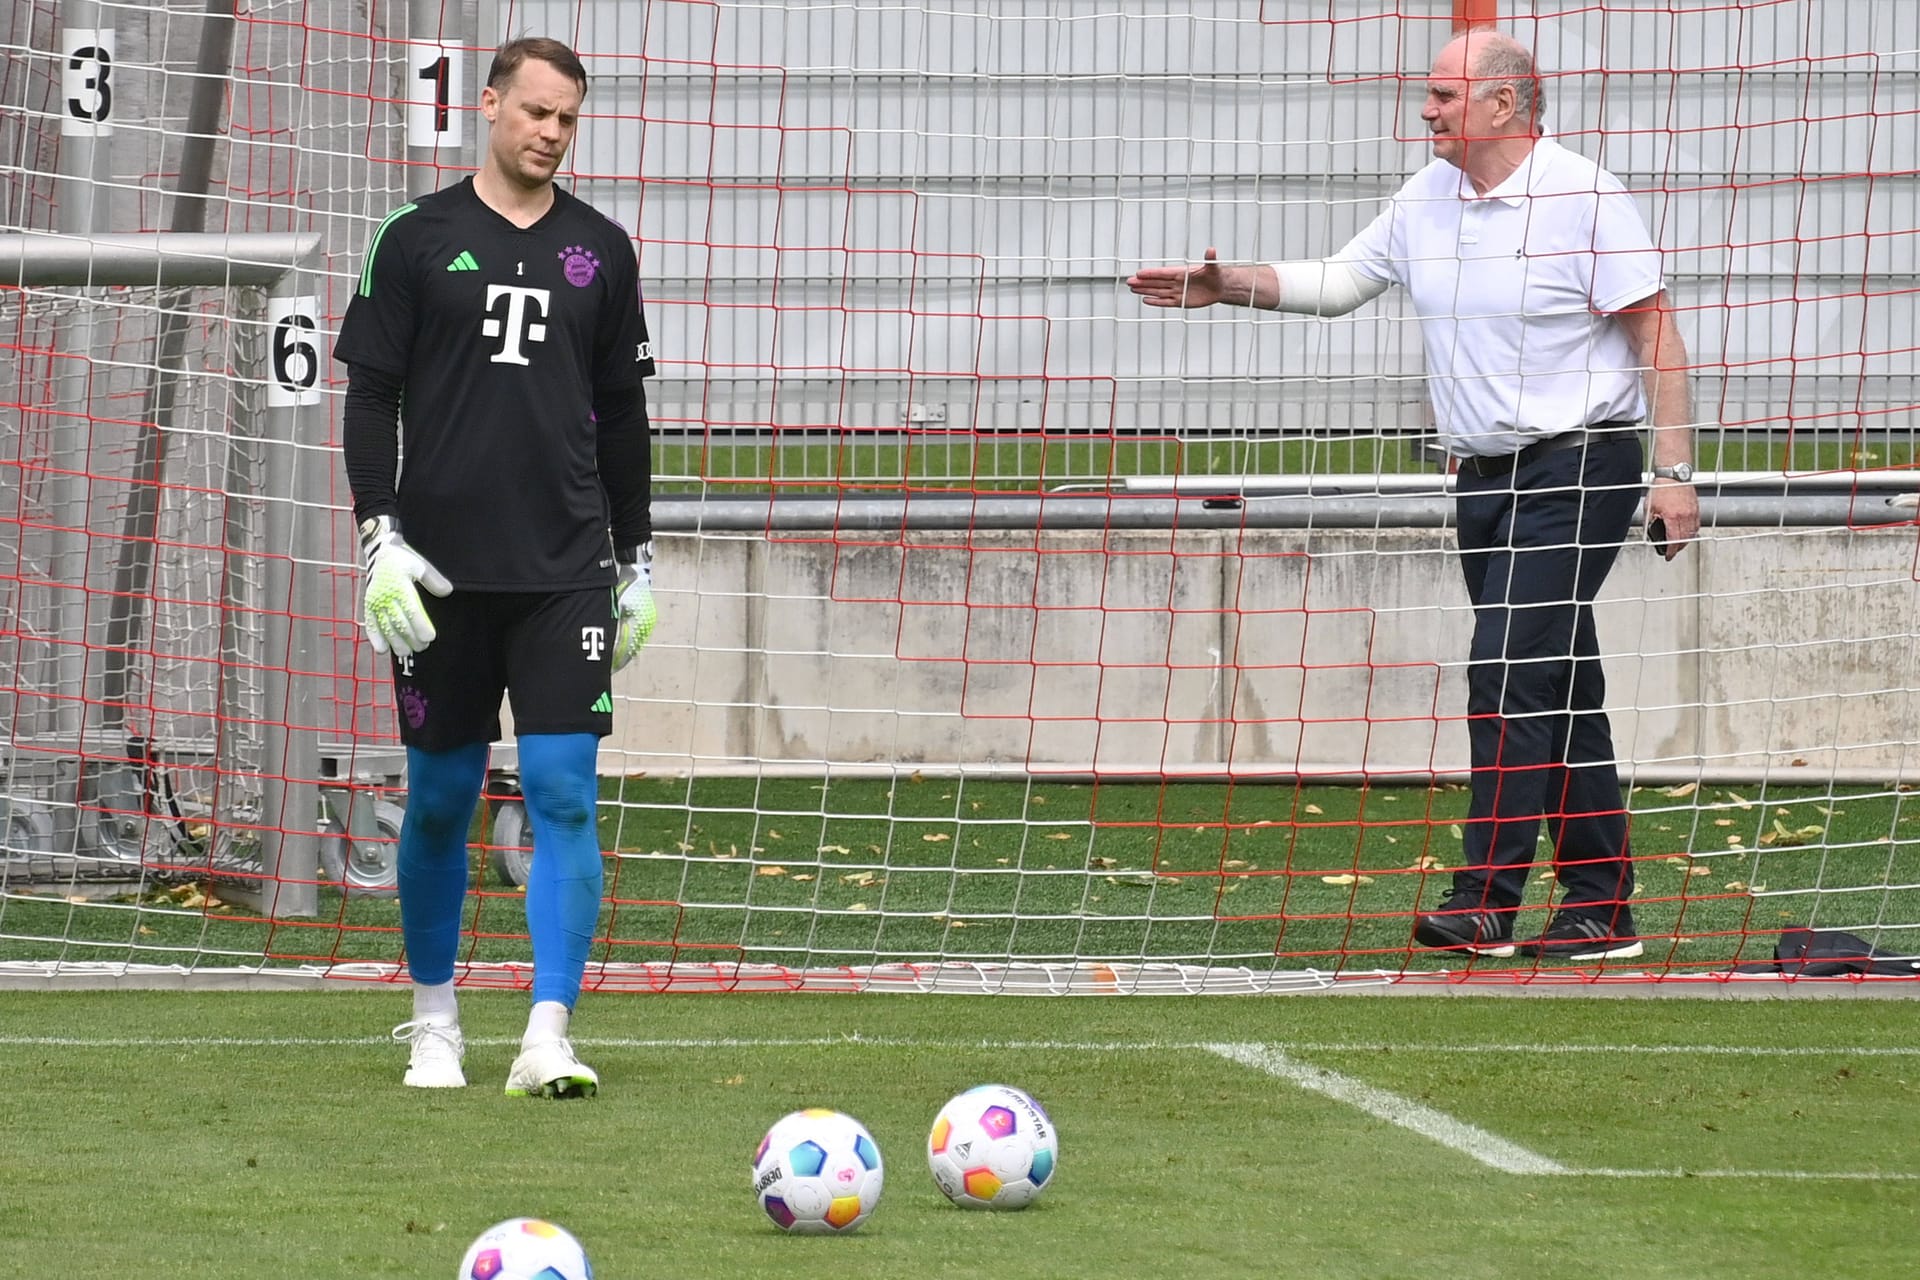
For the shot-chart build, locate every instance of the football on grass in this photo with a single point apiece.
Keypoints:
(993, 1147)
(817, 1172)
(525, 1249)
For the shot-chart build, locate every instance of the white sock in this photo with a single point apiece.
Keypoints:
(435, 1004)
(548, 1021)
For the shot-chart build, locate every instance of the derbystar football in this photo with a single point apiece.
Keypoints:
(993, 1147)
(817, 1172)
(525, 1249)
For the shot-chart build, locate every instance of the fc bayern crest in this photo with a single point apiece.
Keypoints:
(579, 265)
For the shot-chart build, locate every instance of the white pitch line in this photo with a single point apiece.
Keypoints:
(1469, 1140)
(1488, 1148)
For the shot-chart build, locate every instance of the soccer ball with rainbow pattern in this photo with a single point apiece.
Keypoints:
(525, 1249)
(818, 1173)
(993, 1147)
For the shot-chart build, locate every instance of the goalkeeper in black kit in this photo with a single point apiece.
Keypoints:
(496, 343)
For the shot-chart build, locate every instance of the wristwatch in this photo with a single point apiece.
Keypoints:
(1681, 471)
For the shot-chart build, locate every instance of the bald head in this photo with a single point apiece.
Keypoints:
(1492, 60)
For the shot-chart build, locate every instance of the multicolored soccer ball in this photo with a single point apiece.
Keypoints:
(993, 1147)
(525, 1249)
(818, 1173)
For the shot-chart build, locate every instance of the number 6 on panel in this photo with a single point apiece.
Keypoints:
(293, 351)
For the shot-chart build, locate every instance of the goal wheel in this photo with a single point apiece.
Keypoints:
(368, 867)
(512, 853)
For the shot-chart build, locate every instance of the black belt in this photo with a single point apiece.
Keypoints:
(1599, 433)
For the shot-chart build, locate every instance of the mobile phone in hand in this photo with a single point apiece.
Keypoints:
(1657, 534)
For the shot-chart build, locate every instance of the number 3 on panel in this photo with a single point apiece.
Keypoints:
(86, 82)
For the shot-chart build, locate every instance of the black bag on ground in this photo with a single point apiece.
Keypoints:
(1831, 953)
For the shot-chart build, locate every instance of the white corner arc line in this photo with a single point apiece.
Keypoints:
(1469, 1140)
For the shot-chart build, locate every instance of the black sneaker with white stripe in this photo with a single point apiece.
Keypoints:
(1464, 923)
(1576, 935)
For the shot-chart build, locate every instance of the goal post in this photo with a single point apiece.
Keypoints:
(287, 557)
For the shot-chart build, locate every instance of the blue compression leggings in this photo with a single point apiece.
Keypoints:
(564, 883)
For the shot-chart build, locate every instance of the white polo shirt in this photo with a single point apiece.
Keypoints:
(1515, 291)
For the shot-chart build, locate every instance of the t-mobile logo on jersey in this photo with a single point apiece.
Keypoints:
(519, 324)
(593, 642)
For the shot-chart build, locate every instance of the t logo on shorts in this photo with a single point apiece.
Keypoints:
(593, 642)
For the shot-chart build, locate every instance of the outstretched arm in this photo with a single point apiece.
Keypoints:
(1315, 287)
(1238, 284)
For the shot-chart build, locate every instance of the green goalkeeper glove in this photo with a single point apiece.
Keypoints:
(390, 610)
(633, 601)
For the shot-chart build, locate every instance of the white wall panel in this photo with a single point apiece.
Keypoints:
(892, 195)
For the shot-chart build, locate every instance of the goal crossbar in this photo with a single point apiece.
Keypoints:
(259, 259)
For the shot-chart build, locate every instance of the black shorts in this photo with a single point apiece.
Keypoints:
(552, 652)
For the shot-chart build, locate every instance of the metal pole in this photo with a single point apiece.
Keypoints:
(892, 514)
(298, 471)
(127, 605)
(37, 259)
(436, 92)
(82, 202)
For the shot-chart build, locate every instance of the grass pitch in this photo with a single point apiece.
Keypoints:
(967, 462)
(266, 1134)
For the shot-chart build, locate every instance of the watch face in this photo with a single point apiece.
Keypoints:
(1683, 472)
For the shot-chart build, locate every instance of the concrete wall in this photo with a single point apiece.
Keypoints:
(1276, 651)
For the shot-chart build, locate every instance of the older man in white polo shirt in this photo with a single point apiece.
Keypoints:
(1548, 337)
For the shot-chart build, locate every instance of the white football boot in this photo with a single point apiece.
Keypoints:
(547, 1068)
(438, 1048)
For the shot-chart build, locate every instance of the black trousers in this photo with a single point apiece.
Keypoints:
(1535, 544)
